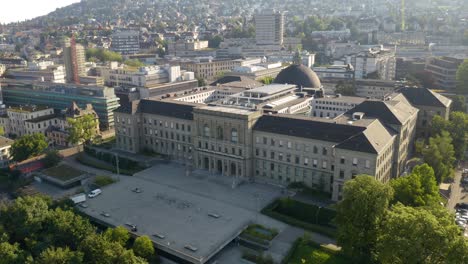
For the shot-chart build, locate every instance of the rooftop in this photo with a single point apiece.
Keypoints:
(5, 142)
(271, 89)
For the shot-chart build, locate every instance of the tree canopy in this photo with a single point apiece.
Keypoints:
(143, 247)
(359, 214)
(440, 155)
(457, 126)
(35, 230)
(28, 146)
(418, 188)
(420, 235)
(82, 129)
(462, 76)
(103, 55)
(459, 104)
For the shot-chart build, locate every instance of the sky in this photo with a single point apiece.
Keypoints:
(19, 10)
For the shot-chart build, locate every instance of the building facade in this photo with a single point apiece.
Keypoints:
(60, 96)
(333, 106)
(269, 28)
(74, 58)
(126, 42)
(443, 70)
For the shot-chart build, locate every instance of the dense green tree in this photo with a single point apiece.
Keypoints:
(267, 80)
(457, 126)
(103, 55)
(82, 129)
(359, 214)
(440, 155)
(25, 217)
(60, 256)
(201, 82)
(119, 234)
(459, 104)
(52, 158)
(66, 228)
(99, 250)
(215, 41)
(418, 188)
(462, 76)
(345, 88)
(28, 146)
(134, 63)
(11, 254)
(419, 235)
(143, 247)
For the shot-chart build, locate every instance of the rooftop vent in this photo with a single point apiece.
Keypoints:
(358, 116)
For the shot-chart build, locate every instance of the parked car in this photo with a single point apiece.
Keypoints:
(94, 193)
(461, 206)
(132, 227)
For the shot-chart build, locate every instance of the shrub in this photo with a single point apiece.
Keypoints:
(103, 180)
(52, 158)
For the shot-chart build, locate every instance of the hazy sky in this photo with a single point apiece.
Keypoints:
(18, 10)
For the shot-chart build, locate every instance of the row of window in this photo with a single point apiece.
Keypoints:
(233, 150)
(220, 133)
(288, 144)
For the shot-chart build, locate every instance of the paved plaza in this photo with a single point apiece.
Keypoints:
(178, 207)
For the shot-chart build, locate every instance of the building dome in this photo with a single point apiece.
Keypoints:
(299, 75)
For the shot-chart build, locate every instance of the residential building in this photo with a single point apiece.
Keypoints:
(126, 42)
(335, 73)
(5, 156)
(376, 63)
(74, 58)
(58, 134)
(333, 106)
(60, 96)
(27, 120)
(269, 28)
(376, 89)
(186, 47)
(53, 73)
(443, 70)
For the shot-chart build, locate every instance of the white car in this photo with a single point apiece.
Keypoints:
(94, 193)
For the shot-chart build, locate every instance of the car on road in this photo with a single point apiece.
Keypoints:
(461, 206)
(132, 227)
(94, 193)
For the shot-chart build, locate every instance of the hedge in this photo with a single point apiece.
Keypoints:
(269, 210)
(101, 166)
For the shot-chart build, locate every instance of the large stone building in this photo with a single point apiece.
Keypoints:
(241, 135)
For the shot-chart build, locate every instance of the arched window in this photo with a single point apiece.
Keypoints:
(206, 130)
(220, 133)
(234, 135)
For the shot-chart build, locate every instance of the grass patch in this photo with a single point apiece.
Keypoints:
(103, 180)
(63, 172)
(302, 215)
(259, 259)
(306, 251)
(260, 232)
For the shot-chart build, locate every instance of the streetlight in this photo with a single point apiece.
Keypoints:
(316, 214)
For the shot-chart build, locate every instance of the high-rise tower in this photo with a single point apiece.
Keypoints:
(74, 60)
(269, 28)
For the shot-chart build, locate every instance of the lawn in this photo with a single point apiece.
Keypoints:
(63, 172)
(307, 252)
(307, 216)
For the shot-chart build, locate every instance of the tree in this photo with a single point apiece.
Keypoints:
(143, 247)
(438, 124)
(418, 188)
(419, 235)
(462, 76)
(345, 88)
(119, 234)
(201, 82)
(458, 129)
(267, 80)
(440, 155)
(60, 256)
(82, 129)
(134, 63)
(28, 146)
(215, 41)
(52, 158)
(459, 104)
(11, 254)
(359, 215)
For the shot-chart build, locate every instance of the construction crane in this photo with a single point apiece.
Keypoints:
(403, 22)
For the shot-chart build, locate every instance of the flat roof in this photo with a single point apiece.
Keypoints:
(230, 110)
(347, 99)
(271, 88)
(181, 217)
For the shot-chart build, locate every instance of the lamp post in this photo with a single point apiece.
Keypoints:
(316, 214)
